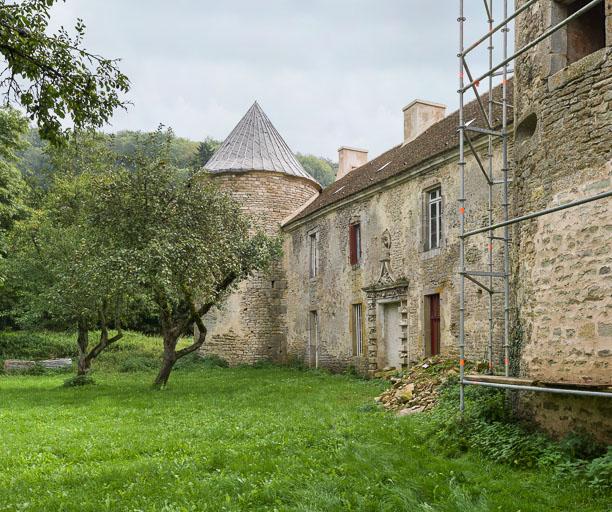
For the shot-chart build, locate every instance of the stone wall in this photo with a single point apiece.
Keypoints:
(562, 261)
(250, 326)
(396, 207)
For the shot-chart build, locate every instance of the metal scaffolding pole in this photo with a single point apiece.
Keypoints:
(490, 189)
(506, 200)
(497, 134)
(461, 20)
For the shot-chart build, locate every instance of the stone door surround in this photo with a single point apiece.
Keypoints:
(375, 296)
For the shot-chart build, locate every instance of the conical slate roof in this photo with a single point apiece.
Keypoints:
(255, 145)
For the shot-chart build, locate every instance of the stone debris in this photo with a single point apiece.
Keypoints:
(19, 365)
(56, 364)
(416, 390)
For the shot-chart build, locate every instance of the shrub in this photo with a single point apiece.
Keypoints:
(79, 380)
(297, 363)
(214, 361)
(37, 369)
(488, 428)
(581, 445)
(598, 472)
(138, 363)
(34, 345)
(195, 360)
(263, 364)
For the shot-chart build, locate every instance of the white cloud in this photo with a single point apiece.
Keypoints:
(327, 72)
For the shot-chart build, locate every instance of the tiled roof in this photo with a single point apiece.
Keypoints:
(255, 145)
(437, 139)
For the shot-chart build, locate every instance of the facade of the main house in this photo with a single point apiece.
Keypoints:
(372, 263)
(369, 275)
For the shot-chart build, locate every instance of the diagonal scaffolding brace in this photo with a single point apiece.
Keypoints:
(485, 279)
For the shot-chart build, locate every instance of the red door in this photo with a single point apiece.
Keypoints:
(434, 323)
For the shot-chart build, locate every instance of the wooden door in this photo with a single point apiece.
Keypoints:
(434, 324)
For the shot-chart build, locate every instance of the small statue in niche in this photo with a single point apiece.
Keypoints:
(385, 269)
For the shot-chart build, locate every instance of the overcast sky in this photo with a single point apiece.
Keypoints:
(327, 72)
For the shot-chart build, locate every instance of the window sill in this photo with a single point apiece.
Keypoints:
(577, 69)
(431, 253)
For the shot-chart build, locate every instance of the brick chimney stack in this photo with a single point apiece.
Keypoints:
(420, 115)
(349, 159)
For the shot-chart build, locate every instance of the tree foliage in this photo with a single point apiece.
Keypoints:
(63, 268)
(321, 169)
(13, 128)
(205, 151)
(190, 243)
(53, 76)
(12, 187)
(181, 152)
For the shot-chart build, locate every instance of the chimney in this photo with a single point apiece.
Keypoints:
(349, 159)
(420, 115)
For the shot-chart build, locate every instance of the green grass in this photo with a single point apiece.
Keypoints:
(241, 439)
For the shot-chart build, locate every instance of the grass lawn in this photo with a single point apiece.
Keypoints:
(242, 439)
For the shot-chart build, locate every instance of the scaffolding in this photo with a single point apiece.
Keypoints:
(497, 282)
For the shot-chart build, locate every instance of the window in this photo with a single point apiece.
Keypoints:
(314, 256)
(587, 33)
(581, 36)
(355, 243)
(313, 339)
(357, 324)
(433, 227)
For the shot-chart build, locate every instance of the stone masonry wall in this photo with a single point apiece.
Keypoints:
(562, 262)
(251, 324)
(398, 209)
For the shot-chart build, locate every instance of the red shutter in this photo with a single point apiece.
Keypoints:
(352, 245)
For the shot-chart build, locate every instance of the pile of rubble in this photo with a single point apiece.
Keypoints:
(416, 390)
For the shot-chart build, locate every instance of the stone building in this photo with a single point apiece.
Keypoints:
(562, 262)
(369, 275)
(372, 262)
(369, 271)
(255, 164)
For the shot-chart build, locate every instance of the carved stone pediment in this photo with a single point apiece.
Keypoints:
(386, 279)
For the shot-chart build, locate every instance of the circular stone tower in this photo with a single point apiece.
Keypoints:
(257, 167)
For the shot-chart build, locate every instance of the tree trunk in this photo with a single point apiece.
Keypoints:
(86, 357)
(171, 355)
(84, 363)
(168, 362)
(173, 327)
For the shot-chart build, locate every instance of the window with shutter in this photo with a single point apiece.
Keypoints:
(355, 244)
